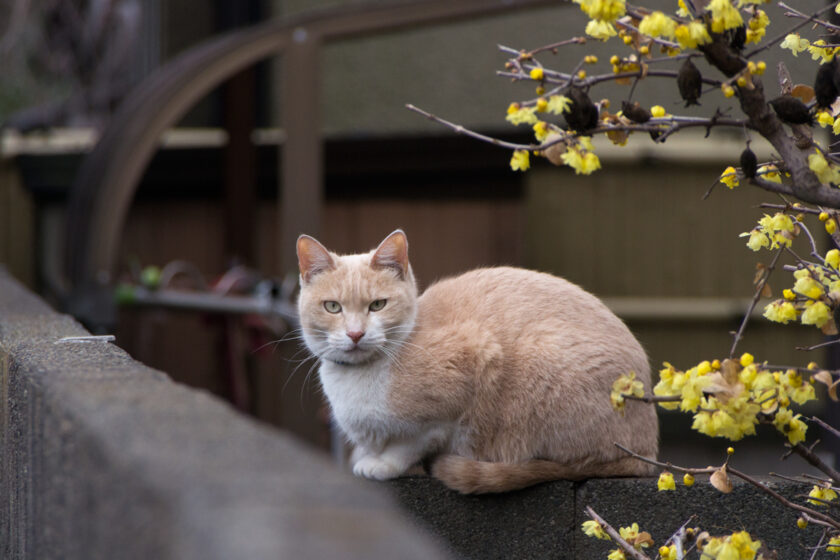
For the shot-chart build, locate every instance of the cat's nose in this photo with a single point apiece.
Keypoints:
(356, 336)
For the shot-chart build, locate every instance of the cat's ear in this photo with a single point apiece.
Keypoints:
(392, 253)
(313, 258)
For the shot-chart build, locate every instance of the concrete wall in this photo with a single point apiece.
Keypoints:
(105, 458)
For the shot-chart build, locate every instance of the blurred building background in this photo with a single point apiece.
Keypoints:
(635, 233)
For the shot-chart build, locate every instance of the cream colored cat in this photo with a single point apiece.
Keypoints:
(499, 378)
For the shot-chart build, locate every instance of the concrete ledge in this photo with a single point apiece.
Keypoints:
(544, 521)
(105, 458)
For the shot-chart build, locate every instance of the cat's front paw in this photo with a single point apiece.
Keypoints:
(376, 468)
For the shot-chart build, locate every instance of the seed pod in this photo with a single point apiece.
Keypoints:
(582, 114)
(689, 81)
(749, 163)
(635, 112)
(738, 37)
(791, 110)
(825, 88)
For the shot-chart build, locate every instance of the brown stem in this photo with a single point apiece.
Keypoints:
(756, 297)
(812, 459)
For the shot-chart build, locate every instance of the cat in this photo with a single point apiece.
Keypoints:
(497, 379)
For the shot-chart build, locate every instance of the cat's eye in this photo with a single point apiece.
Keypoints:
(377, 304)
(332, 306)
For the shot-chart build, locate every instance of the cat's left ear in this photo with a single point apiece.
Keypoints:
(392, 253)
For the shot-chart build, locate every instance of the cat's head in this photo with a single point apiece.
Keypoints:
(355, 309)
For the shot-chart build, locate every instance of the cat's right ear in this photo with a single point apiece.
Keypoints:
(313, 258)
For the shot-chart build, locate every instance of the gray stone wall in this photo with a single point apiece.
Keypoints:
(105, 458)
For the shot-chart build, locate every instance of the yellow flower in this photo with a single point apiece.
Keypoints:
(582, 163)
(536, 73)
(728, 91)
(541, 131)
(690, 35)
(770, 173)
(688, 479)
(756, 26)
(558, 104)
(824, 494)
(791, 425)
(836, 128)
(657, 111)
(820, 52)
(757, 239)
(658, 24)
(629, 533)
(788, 294)
(780, 312)
(542, 105)
(795, 43)
(825, 119)
(729, 177)
(801, 523)
(598, 29)
(724, 15)
(832, 259)
(831, 226)
(807, 286)
(824, 171)
(746, 359)
(666, 481)
(816, 313)
(605, 10)
(668, 552)
(616, 554)
(833, 542)
(593, 529)
(526, 115)
(520, 160)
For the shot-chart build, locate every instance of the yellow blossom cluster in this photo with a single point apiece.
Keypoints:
(815, 293)
(818, 49)
(826, 172)
(602, 13)
(821, 494)
(756, 26)
(727, 398)
(737, 546)
(724, 15)
(771, 232)
(692, 34)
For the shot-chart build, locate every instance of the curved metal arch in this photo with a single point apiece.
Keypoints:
(106, 182)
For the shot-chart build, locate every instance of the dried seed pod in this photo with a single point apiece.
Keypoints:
(749, 163)
(738, 37)
(635, 112)
(689, 81)
(825, 88)
(791, 110)
(582, 114)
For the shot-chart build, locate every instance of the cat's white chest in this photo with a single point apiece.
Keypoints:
(359, 401)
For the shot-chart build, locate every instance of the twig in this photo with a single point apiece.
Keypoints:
(623, 544)
(707, 470)
(651, 399)
(819, 544)
(816, 462)
(820, 345)
(461, 130)
(826, 426)
(767, 272)
(815, 514)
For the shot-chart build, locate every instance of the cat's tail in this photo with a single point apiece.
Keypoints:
(469, 476)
